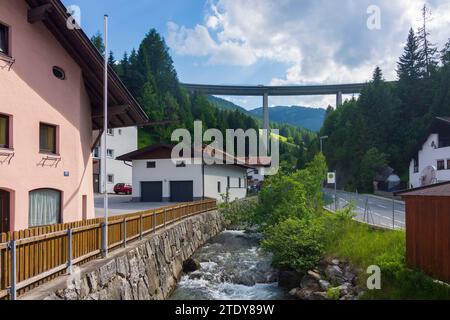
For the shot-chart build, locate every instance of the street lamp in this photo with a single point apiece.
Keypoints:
(321, 142)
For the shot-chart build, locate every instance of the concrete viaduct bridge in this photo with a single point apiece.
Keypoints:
(266, 91)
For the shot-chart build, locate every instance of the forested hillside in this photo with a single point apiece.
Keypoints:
(385, 123)
(301, 117)
(150, 75)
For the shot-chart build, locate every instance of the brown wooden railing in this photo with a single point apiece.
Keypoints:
(31, 257)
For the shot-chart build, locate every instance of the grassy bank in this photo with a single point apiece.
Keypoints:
(364, 246)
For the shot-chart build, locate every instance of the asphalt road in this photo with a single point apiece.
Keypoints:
(371, 209)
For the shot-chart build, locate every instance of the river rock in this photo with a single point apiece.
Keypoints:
(315, 275)
(335, 274)
(191, 265)
(309, 283)
(324, 285)
(289, 279)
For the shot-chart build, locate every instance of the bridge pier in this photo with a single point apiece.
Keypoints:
(266, 120)
(339, 99)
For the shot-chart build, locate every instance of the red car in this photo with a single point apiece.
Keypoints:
(123, 188)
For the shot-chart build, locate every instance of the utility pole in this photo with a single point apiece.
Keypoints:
(105, 139)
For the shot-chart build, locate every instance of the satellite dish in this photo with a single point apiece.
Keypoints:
(428, 176)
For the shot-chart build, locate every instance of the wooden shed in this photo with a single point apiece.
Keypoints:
(428, 229)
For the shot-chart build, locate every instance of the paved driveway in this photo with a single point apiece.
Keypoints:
(119, 205)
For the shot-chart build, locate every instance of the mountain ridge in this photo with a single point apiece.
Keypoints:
(298, 116)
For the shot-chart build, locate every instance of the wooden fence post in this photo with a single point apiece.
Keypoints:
(165, 218)
(125, 232)
(141, 226)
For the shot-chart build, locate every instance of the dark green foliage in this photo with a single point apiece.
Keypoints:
(295, 243)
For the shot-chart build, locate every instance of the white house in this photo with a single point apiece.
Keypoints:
(431, 161)
(156, 178)
(120, 141)
(257, 174)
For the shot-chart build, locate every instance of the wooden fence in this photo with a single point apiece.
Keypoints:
(31, 257)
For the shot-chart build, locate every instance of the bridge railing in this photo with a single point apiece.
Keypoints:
(32, 257)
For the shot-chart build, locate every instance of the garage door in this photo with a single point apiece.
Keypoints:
(181, 191)
(151, 191)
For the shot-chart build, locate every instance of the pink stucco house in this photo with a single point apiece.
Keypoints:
(50, 104)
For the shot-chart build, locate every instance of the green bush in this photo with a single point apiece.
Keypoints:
(295, 243)
(239, 212)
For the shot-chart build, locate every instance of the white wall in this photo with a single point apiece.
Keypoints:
(429, 156)
(216, 173)
(123, 141)
(166, 171)
(257, 176)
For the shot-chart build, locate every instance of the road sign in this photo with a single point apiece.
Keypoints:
(331, 178)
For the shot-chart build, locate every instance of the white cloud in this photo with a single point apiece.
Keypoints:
(316, 41)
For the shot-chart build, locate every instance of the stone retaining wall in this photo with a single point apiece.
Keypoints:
(147, 270)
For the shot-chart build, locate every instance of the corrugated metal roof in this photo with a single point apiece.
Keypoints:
(435, 190)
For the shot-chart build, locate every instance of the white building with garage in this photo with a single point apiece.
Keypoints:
(157, 178)
(430, 163)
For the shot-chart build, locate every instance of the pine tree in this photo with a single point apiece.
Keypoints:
(410, 65)
(97, 40)
(427, 49)
(111, 59)
(377, 75)
(445, 54)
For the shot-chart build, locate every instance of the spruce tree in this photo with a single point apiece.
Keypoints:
(410, 64)
(427, 49)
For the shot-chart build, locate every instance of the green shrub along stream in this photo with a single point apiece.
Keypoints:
(299, 233)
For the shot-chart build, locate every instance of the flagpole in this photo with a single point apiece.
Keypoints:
(105, 138)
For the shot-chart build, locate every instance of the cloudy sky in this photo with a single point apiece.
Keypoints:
(271, 42)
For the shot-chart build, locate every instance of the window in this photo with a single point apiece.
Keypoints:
(448, 164)
(4, 131)
(47, 138)
(59, 73)
(110, 153)
(151, 164)
(416, 165)
(44, 207)
(4, 39)
(181, 164)
(96, 152)
(120, 132)
(441, 165)
(110, 132)
(240, 183)
(228, 182)
(219, 187)
(110, 178)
